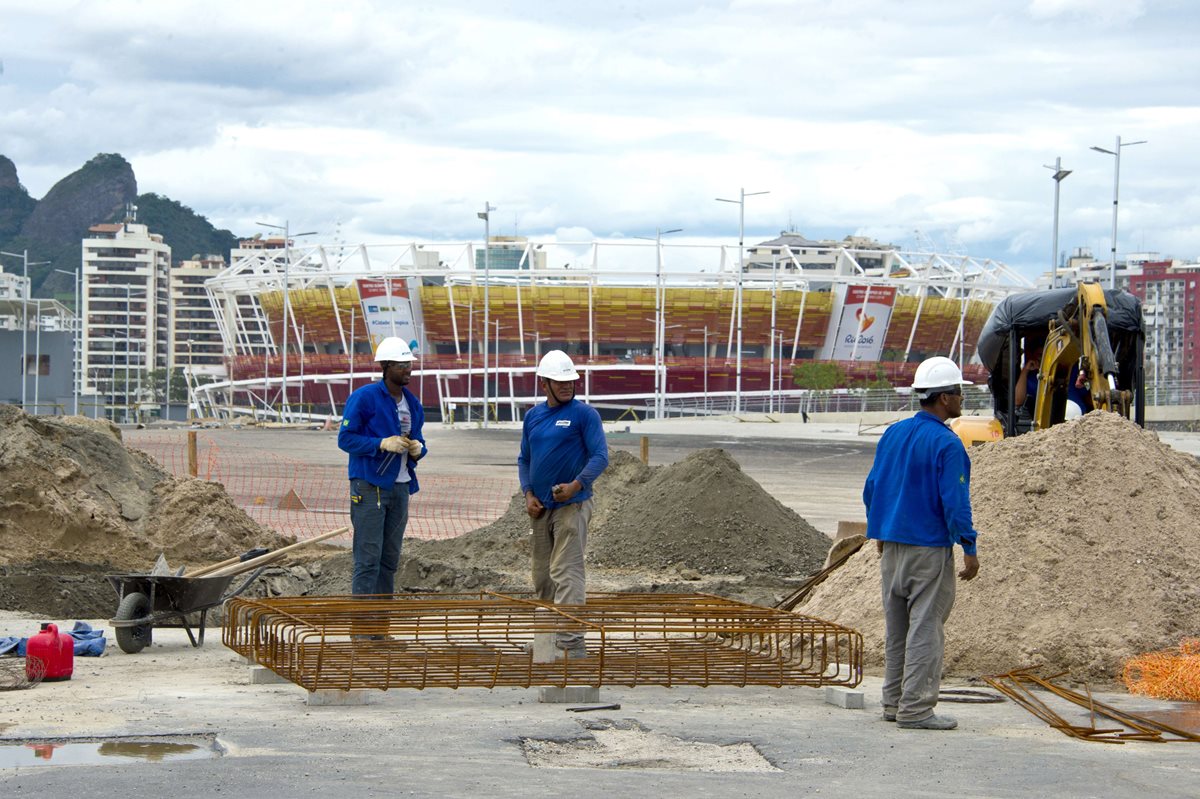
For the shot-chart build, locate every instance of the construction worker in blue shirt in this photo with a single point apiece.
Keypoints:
(563, 451)
(918, 507)
(381, 431)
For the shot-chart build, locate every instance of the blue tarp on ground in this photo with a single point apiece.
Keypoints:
(88, 642)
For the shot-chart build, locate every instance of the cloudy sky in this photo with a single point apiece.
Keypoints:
(398, 120)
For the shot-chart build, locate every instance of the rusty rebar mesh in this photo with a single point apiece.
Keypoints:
(484, 640)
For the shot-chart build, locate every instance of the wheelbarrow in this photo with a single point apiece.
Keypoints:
(149, 601)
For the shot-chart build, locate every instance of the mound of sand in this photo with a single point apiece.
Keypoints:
(71, 492)
(702, 513)
(1088, 555)
(705, 513)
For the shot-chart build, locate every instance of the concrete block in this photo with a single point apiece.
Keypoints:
(844, 697)
(544, 650)
(573, 694)
(331, 697)
(261, 675)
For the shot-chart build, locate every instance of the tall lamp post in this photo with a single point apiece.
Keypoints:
(287, 266)
(24, 256)
(660, 386)
(486, 216)
(77, 361)
(1059, 175)
(189, 384)
(1116, 153)
(741, 203)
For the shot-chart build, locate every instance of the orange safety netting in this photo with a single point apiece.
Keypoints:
(1166, 674)
(303, 499)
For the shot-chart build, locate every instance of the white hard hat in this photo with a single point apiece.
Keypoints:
(393, 349)
(1073, 410)
(936, 373)
(557, 365)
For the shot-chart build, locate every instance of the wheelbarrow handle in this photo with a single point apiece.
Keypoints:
(253, 576)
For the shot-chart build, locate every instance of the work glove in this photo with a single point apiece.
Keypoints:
(414, 448)
(396, 444)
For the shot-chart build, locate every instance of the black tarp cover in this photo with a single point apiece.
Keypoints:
(1037, 308)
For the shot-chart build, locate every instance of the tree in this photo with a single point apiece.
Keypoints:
(819, 375)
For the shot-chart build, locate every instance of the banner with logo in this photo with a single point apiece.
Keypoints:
(866, 312)
(388, 310)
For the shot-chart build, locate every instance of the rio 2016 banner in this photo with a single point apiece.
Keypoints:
(388, 310)
(866, 312)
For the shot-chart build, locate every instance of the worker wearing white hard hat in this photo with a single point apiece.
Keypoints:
(918, 508)
(563, 451)
(381, 432)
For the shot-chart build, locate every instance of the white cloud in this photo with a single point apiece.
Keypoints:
(400, 120)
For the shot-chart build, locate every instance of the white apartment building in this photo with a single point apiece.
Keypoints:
(14, 289)
(195, 338)
(126, 311)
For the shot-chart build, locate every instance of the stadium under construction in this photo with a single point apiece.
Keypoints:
(654, 328)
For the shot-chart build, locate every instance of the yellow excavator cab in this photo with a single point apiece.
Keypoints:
(973, 430)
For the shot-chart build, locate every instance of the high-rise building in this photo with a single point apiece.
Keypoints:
(126, 312)
(509, 253)
(195, 339)
(1171, 310)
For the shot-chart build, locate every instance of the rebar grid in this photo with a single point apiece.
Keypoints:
(485, 640)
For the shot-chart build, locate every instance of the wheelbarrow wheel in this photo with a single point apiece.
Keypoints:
(134, 639)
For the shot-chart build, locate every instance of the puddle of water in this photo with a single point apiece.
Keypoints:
(25, 754)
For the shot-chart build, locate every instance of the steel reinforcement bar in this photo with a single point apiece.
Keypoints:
(485, 640)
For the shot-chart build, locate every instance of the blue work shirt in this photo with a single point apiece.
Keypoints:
(918, 491)
(370, 416)
(560, 444)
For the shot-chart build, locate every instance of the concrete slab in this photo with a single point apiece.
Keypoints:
(335, 698)
(845, 698)
(571, 694)
(261, 675)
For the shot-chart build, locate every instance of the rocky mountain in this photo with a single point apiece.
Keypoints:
(52, 228)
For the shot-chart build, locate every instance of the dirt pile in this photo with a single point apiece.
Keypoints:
(705, 513)
(1088, 555)
(71, 492)
(505, 544)
(702, 513)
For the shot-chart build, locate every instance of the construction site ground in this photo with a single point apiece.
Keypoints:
(661, 742)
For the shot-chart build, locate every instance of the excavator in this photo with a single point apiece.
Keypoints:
(1089, 338)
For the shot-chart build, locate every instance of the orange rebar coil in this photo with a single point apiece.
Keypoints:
(485, 640)
(1166, 674)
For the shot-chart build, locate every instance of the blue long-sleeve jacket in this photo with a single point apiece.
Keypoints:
(918, 491)
(370, 417)
(560, 444)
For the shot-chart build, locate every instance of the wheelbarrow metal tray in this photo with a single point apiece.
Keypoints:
(170, 593)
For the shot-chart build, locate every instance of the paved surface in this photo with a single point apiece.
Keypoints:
(467, 743)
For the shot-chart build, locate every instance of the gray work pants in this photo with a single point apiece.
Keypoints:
(918, 592)
(559, 541)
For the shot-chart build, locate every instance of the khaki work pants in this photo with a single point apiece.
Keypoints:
(559, 542)
(918, 592)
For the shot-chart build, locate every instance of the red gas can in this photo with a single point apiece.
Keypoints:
(55, 650)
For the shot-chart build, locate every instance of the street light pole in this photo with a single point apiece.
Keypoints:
(741, 202)
(1059, 175)
(189, 384)
(486, 216)
(1116, 153)
(287, 266)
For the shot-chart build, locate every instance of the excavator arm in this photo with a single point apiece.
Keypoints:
(1079, 333)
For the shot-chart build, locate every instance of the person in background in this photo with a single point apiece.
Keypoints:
(918, 507)
(1025, 391)
(381, 431)
(563, 451)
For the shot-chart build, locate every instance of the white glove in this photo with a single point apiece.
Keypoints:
(395, 444)
(414, 448)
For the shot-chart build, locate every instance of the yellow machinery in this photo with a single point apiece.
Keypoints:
(1100, 331)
